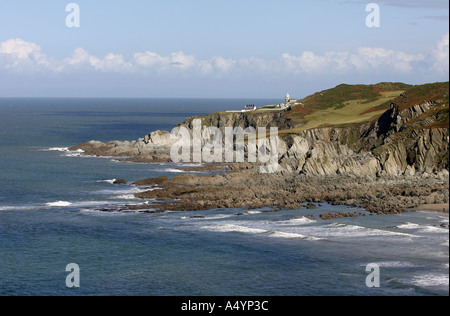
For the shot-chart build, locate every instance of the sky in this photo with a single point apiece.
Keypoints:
(217, 48)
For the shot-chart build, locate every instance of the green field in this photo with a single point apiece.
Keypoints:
(354, 111)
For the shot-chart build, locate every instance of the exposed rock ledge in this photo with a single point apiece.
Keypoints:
(244, 187)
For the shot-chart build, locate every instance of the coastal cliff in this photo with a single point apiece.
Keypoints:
(409, 136)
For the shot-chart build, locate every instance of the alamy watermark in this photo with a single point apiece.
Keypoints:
(73, 278)
(374, 17)
(373, 278)
(73, 18)
(210, 144)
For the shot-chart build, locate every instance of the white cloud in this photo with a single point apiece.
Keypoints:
(440, 55)
(20, 56)
(111, 63)
(364, 59)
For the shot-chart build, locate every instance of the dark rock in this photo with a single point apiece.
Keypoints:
(152, 181)
(121, 181)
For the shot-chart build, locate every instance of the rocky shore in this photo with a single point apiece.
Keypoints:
(243, 187)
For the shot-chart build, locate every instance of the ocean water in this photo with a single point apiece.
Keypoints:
(51, 203)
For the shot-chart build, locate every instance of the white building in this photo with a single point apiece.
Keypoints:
(249, 108)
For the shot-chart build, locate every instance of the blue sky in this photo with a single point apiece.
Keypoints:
(216, 48)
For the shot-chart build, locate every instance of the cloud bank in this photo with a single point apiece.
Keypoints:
(17, 55)
(25, 61)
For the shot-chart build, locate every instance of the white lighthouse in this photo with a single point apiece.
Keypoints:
(287, 99)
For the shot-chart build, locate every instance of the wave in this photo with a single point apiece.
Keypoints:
(432, 280)
(58, 204)
(297, 221)
(175, 170)
(120, 191)
(190, 165)
(229, 228)
(62, 149)
(18, 208)
(66, 151)
(397, 264)
(278, 234)
(108, 213)
(81, 204)
(125, 197)
(423, 228)
(433, 229)
(353, 231)
(252, 213)
(409, 226)
(111, 181)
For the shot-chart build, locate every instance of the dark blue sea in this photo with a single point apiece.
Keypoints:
(51, 203)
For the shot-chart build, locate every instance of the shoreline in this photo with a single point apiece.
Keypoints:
(439, 208)
(241, 186)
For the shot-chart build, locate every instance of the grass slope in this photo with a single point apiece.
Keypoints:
(345, 104)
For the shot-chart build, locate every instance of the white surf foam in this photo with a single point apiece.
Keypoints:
(278, 234)
(432, 280)
(297, 221)
(120, 191)
(76, 153)
(18, 208)
(62, 149)
(433, 229)
(335, 230)
(228, 228)
(173, 170)
(396, 264)
(252, 212)
(125, 197)
(80, 204)
(190, 165)
(111, 181)
(409, 226)
(58, 204)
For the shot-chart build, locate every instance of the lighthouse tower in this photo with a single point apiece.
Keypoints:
(287, 99)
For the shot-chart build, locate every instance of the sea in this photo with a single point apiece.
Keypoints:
(59, 208)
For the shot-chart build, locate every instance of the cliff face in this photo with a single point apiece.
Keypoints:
(400, 142)
(235, 119)
(410, 138)
(391, 146)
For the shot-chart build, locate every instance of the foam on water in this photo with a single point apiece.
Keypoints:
(409, 226)
(110, 181)
(125, 197)
(428, 280)
(58, 204)
(18, 208)
(234, 228)
(61, 149)
(66, 151)
(396, 264)
(297, 221)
